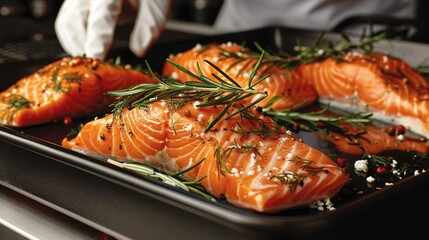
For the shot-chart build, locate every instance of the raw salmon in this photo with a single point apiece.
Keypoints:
(71, 87)
(292, 91)
(372, 139)
(251, 162)
(375, 83)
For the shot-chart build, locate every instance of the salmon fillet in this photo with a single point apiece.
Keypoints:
(373, 139)
(375, 83)
(72, 87)
(251, 162)
(291, 91)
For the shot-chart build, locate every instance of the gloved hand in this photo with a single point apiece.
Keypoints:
(87, 26)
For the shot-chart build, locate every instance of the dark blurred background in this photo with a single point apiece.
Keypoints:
(201, 11)
(27, 31)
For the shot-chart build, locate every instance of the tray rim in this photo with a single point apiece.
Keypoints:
(188, 202)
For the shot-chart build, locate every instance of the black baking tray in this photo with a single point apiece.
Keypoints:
(129, 206)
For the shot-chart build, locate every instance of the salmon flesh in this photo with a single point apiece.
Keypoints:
(251, 162)
(281, 83)
(69, 87)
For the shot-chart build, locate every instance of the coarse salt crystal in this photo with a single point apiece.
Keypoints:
(197, 46)
(200, 117)
(188, 127)
(370, 179)
(361, 165)
(196, 103)
(234, 171)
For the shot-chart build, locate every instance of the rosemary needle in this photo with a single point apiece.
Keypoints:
(317, 51)
(227, 92)
(208, 92)
(171, 179)
(311, 121)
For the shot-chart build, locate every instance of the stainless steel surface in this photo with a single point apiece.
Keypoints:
(23, 217)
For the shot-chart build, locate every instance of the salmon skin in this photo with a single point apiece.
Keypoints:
(286, 85)
(251, 162)
(69, 87)
(375, 83)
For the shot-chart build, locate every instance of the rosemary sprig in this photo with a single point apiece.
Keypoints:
(14, 103)
(221, 160)
(314, 121)
(171, 179)
(319, 50)
(293, 178)
(290, 178)
(74, 132)
(306, 165)
(222, 155)
(378, 160)
(73, 77)
(260, 126)
(54, 79)
(241, 149)
(225, 91)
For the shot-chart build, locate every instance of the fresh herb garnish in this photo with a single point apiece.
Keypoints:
(291, 178)
(63, 83)
(314, 121)
(225, 91)
(55, 81)
(306, 165)
(74, 132)
(321, 49)
(398, 168)
(14, 103)
(221, 160)
(174, 179)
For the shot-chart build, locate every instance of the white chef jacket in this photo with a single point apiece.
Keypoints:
(240, 15)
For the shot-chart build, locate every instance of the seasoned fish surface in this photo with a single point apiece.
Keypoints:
(70, 87)
(374, 82)
(286, 84)
(248, 164)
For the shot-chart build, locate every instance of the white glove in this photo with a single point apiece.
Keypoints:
(87, 26)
